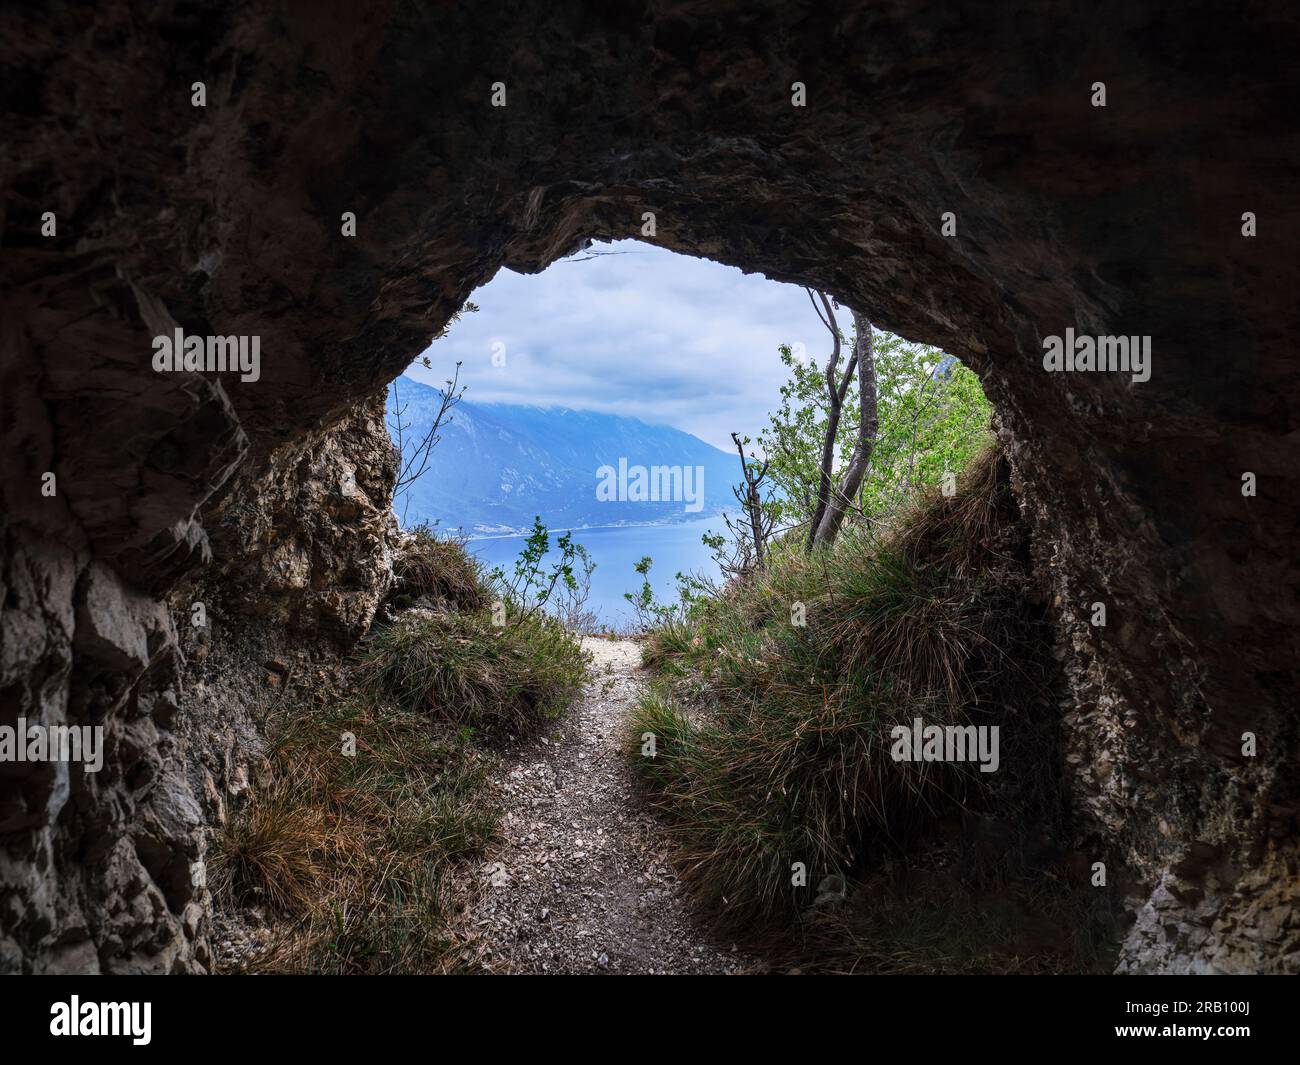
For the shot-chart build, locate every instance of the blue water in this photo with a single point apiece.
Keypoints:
(615, 551)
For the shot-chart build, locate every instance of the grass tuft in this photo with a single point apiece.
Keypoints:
(440, 569)
(464, 669)
(773, 741)
(351, 854)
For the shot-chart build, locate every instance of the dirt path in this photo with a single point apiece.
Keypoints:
(582, 882)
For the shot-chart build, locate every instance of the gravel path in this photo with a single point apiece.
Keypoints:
(582, 882)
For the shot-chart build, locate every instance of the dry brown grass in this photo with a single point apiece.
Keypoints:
(352, 856)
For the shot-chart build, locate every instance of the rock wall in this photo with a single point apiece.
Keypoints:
(105, 871)
(98, 872)
(227, 219)
(302, 539)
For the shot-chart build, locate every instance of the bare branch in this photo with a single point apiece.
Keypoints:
(414, 462)
(835, 392)
(868, 429)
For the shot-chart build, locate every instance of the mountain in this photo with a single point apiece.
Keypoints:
(499, 465)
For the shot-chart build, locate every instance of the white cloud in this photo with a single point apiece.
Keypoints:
(663, 337)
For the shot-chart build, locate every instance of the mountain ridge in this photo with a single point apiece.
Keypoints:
(499, 465)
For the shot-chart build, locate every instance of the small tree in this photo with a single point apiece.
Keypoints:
(743, 548)
(413, 461)
(868, 424)
(835, 495)
(560, 587)
(751, 499)
(931, 416)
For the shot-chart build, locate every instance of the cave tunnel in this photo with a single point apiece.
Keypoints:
(953, 172)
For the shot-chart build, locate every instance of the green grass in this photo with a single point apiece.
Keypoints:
(360, 859)
(773, 738)
(460, 667)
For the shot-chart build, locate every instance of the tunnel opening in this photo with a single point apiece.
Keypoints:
(935, 855)
(669, 344)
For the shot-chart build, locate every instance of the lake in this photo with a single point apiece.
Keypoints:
(615, 551)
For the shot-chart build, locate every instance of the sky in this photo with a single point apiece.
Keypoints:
(667, 338)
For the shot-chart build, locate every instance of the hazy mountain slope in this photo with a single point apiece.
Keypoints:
(498, 465)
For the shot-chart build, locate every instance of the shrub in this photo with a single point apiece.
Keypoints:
(462, 668)
(773, 738)
(438, 568)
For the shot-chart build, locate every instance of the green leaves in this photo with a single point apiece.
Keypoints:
(562, 585)
(933, 418)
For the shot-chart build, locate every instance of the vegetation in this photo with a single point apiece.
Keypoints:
(559, 587)
(440, 569)
(464, 668)
(931, 418)
(354, 855)
(771, 720)
(499, 661)
(377, 794)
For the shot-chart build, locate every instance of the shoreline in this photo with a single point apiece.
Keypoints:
(593, 528)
